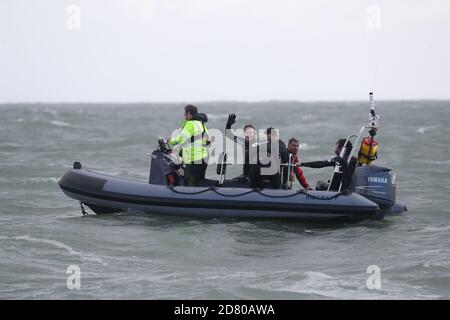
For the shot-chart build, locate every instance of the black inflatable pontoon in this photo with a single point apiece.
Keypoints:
(107, 194)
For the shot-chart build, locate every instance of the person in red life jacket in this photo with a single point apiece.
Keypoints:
(293, 148)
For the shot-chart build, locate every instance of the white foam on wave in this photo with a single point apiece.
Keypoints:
(217, 116)
(322, 284)
(446, 161)
(41, 180)
(34, 180)
(440, 228)
(60, 123)
(68, 249)
(305, 146)
(51, 111)
(307, 117)
(440, 264)
(422, 130)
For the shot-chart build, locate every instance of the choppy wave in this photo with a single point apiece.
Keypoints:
(350, 287)
(306, 146)
(32, 180)
(127, 253)
(308, 117)
(60, 245)
(423, 130)
(445, 161)
(224, 116)
(59, 123)
(51, 111)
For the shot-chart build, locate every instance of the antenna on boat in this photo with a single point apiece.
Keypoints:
(373, 117)
(373, 125)
(371, 144)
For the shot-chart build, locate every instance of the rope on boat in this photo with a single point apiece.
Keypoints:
(297, 192)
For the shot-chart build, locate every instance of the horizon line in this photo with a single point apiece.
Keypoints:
(193, 101)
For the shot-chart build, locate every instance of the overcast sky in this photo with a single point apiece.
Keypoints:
(203, 50)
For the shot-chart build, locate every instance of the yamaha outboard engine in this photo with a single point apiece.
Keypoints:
(376, 184)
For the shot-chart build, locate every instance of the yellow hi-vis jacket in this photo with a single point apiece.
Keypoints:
(193, 139)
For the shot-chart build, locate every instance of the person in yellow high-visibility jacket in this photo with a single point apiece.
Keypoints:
(193, 139)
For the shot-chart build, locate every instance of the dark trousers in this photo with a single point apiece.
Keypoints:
(194, 173)
(261, 181)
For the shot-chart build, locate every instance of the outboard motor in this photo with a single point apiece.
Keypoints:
(376, 184)
(160, 168)
(163, 170)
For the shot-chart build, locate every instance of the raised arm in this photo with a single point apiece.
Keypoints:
(229, 134)
(319, 164)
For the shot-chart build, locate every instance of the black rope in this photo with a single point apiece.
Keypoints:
(213, 189)
(337, 195)
(283, 196)
(232, 195)
(197, 192)
(300, 191)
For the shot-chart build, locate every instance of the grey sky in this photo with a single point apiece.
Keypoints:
(197, 50)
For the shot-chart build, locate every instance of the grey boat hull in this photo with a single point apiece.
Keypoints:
(107, 194)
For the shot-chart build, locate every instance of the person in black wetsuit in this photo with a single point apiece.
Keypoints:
(343, 169)
(257, 180)
(246, 142)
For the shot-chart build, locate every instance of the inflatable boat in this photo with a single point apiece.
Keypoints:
(107, 194)
(372, 193)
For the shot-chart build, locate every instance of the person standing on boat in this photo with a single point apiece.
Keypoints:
(273, 137)
(276, 180)
(193, 139)
(343, 169)
(293, 148)
(246, 142)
